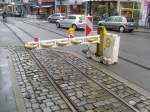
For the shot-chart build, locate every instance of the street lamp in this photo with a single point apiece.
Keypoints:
(60, 5)
(118, 7)
(12, 3)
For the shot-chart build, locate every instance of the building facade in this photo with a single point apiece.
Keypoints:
(144, 13)
(70, 6)
(42, 7)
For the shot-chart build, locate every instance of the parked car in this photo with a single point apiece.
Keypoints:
(14, 14)
(55, 17)
(74, 21)
(120, 23)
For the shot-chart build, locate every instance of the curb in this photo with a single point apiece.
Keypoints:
(142, 31)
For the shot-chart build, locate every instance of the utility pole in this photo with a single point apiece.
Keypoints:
(118, 7)
(60, 5)
(88, 6)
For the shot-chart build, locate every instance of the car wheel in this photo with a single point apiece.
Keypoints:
(131, 30)
(121, 29)
(49, 20)
(101, 25)
(74, 26)
(58, 25)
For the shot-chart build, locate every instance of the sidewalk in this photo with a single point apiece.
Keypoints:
(142, 29)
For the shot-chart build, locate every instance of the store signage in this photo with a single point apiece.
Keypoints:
(74, 2)
(25, 1)
(39, 2)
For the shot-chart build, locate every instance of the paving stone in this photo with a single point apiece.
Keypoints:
(63, 106)
(140, 105)
(89, 111)
(143, 98)
(35, 106)
(82, 109)
(89, 106)
(49, 104)
(54, 108)
(148, 107)
(143, 110)
(28, 105)
(73, 98)
(41, 98)
(81, 103)
(47, 110)
(91, 100)
(147, 102)
(29, 110)
(37, 110)
(43, 106)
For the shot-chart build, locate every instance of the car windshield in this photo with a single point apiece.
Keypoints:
(130, 20)
(63, 14)
(82, 17)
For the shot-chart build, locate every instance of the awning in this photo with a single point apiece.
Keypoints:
(43, 6)
(98, 0)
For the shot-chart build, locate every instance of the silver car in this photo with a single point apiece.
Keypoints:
(74, 21)
(55, 17)
(120, 23)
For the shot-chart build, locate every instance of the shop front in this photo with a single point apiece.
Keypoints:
(77, 7)
(61, 6)
(145, 13)
(70, 6)
(131, 9)
(102, 9)
(43, 9)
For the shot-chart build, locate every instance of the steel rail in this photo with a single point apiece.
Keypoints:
(120, 99)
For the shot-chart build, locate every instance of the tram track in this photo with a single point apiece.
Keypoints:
(73, 107)
(63, 96)
(88, 78)
(43, 28)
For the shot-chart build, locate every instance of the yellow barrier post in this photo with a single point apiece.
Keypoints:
(102, 31)
(71, 32)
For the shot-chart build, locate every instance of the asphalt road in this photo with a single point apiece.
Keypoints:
(133, 46)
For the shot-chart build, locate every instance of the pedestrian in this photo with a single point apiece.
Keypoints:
(148, 20)
(4, 15)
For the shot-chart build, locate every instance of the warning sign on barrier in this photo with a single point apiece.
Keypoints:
(89, 26)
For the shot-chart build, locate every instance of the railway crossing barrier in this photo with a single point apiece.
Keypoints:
(64, 42)
(102, 48)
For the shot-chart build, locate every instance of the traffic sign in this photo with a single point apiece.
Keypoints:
(89, 26)
(39, 2)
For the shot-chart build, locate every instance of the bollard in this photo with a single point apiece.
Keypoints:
(37, 40)
(102, 31)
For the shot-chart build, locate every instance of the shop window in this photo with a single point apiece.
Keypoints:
(71, 17)
(118, 19)
(127, 12)
(110, 19)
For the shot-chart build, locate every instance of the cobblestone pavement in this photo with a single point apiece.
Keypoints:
(123, 91)
(83, 92)
(86, 95)
(38, 92)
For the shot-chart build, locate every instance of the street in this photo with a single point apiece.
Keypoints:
(133, 66)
